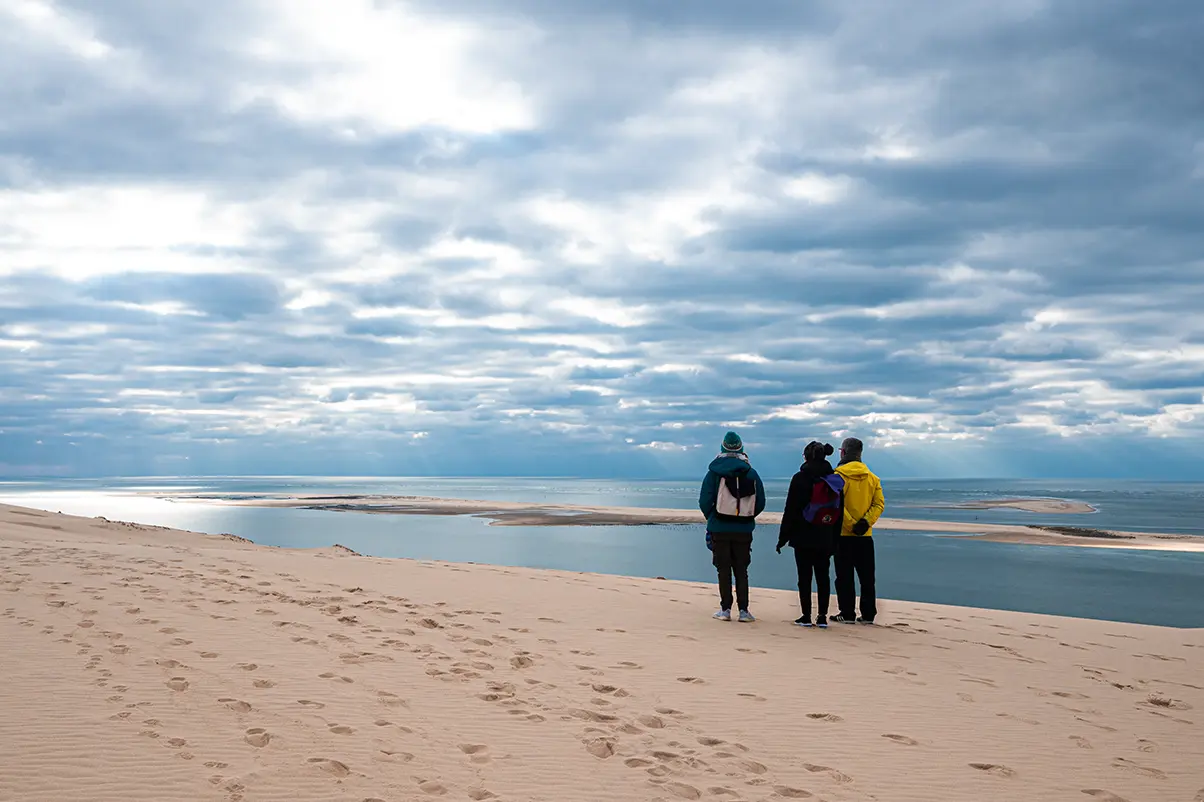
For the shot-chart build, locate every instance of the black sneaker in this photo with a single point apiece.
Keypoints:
(869, 621)
(803, 621)
(840, 619)
(822, 622)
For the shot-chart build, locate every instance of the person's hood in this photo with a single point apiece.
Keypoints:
(731, 465)
(854, 471)
(816, 470)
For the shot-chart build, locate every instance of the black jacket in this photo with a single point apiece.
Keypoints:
(795, 530)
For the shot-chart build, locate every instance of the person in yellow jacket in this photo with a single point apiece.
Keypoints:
(862, 507)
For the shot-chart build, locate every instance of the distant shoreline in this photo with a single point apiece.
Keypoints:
(512, 513)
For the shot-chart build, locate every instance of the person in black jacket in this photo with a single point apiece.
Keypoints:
(811, 529)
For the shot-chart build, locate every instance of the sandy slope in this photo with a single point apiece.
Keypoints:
(141, 663)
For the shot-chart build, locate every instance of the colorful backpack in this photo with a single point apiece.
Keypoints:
(824, 507)
(737, 496)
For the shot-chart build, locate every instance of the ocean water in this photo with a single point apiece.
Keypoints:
(1164, 588)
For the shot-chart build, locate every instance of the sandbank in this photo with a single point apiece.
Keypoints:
(513, 513)
(143, 663)
(1054, 506)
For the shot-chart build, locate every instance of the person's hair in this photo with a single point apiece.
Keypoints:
(852, 448)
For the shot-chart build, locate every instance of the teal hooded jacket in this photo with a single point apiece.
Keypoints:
(728, 465)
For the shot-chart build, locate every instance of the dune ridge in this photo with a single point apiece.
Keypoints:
(147, 663)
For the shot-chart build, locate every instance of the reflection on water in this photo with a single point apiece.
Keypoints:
(1114, 584)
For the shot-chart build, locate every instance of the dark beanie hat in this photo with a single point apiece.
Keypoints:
(816, 451)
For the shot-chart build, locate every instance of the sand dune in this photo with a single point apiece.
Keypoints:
(143, 663)
(516, 513)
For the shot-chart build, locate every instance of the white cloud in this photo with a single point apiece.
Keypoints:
(360, 63)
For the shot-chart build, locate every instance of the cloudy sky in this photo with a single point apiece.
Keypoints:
(559, 237)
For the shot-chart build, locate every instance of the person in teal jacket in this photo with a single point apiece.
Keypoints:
(731, 498)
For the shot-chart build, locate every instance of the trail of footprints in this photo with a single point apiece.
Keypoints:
(660, 743)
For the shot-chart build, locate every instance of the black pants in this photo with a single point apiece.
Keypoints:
(855, 554)
(813, 561)
(731, 554)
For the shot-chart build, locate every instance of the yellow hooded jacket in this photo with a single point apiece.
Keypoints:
(862, 497)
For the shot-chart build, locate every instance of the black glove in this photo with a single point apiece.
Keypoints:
(779, 548)
(861, 527)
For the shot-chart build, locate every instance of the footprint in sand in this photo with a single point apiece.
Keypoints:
(1137, 768)
(831, 717)
(600, 747)
(521, 661)
(480, 794)
(330, 675)
(390, 699)
(994, 768)
(432, 787)
(264, 683)
(1106, 796)
(683, 791)
(335, 767)
(236, 705)
(177, 684)
(901, 739)
(652, 722)
(838, 777)
(308, 703)
(791, 793)
(692, 680)
(246, 666)
(341, 729)
(258, 737)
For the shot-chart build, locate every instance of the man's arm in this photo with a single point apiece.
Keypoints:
(706, 496)
(848, 521)
(877, 504)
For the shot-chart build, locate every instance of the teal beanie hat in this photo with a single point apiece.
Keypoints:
(732, 443)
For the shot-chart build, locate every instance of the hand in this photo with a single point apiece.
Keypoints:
(779, 549)
(861, 527)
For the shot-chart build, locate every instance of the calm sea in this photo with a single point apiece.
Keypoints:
(1114, 584)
